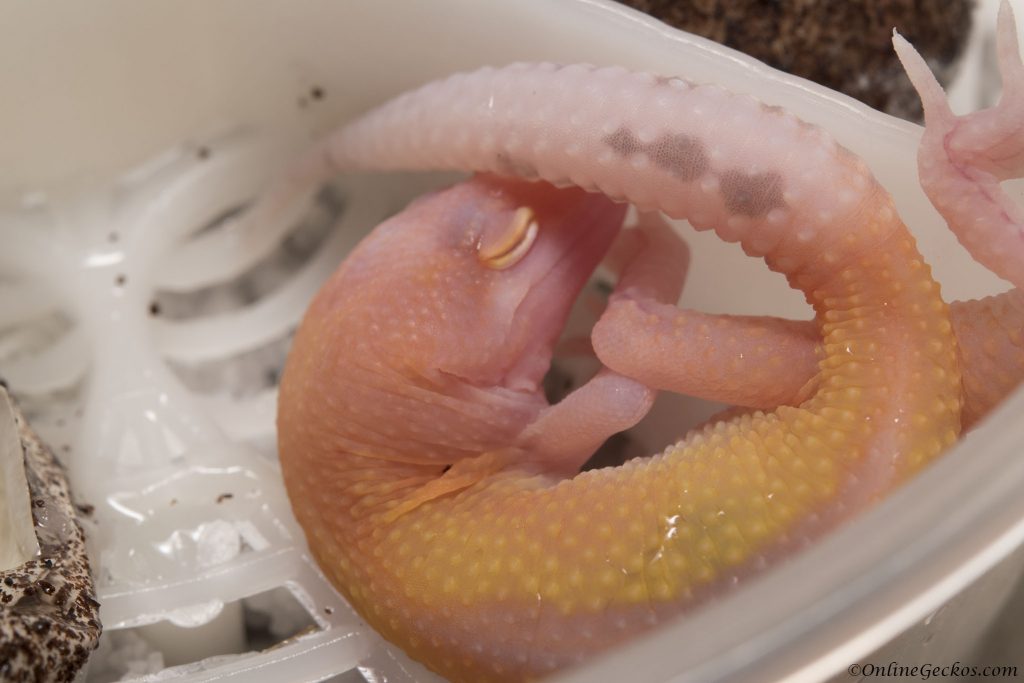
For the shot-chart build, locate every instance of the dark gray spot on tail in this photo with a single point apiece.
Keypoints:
(623, 142)
(682, 155)
(751, 194)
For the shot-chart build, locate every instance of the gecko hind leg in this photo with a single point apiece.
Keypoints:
(989, 333)
(758, 362)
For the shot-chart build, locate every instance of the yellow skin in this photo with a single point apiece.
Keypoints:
(438, 489)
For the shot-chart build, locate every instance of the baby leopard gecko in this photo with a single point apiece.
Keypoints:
(439, 490)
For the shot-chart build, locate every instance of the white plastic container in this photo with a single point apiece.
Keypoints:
(128, 126)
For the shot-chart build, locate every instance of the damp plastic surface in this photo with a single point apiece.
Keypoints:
(143, 333)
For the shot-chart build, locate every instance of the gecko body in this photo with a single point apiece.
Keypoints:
(437, 488)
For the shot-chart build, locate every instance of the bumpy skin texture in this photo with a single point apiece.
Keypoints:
(991, 336)
(435, 485)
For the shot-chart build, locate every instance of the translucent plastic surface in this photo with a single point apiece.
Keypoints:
(144, 333)
(157, 383)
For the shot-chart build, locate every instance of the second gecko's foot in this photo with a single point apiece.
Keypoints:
(962, 159)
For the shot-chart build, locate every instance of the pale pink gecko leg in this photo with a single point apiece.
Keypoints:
(962, 159)
(758, 362)
(656, 263)
(567, 433)
(961, 162)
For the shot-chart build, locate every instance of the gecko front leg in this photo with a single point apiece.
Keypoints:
(651, 260)
(566, 434)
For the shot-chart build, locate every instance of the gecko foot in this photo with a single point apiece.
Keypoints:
(963, 159)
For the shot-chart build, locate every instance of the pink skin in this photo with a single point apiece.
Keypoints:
(963, 158)
(961, 162)
(754, 362)
(761, 362)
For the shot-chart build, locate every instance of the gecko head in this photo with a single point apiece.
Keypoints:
(517, 254)
(473, 282)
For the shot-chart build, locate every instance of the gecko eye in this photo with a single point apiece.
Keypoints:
(511, 246)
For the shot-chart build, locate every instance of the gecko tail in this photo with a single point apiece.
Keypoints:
(933, 97)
